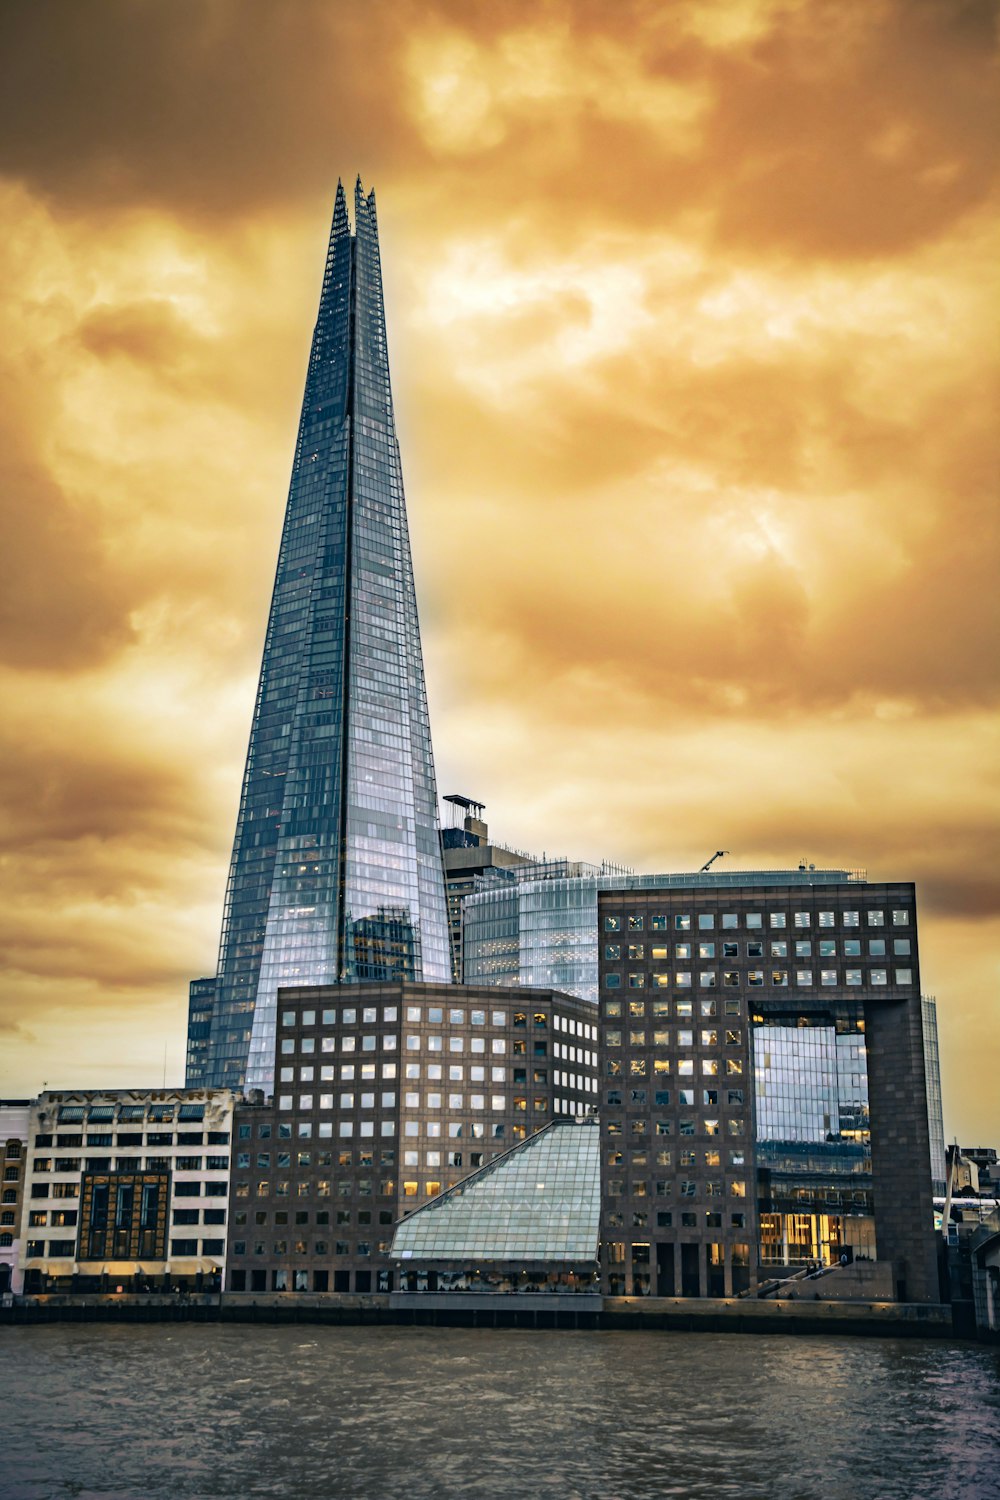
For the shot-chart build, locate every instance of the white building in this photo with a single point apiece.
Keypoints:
(126, 1190)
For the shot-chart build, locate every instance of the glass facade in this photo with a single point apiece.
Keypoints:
(336, 870)
(813, 1133)
(932, 1075)
(540, 1202)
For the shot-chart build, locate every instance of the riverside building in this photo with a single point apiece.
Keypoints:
(763, 1102)
(14, 1115)
(336, 872)
(385, 1096)
(126, 1190)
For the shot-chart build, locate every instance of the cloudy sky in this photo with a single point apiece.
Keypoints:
(692, 322)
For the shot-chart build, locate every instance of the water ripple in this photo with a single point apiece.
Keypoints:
(221, 1413)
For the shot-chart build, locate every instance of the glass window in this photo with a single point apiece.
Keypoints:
(828, 976)
(904, 976)
(876, 918)
(879, 976)
(706, 921)
(778, 919)
(635, 924)
(901, 919)
(612, 924)
(612, 981)
(852, 976)
(682, 924)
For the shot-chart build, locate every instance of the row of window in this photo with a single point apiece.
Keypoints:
(684, 1067)
(663, 1187)
(664, 1036)
(43, 1164)
(46, 1141)
(712, 1219)
(709, 1126)
(682, 1010)
(369, 1016)
(777, 948)
(706, 921)
(710, 1098)
(708, 978)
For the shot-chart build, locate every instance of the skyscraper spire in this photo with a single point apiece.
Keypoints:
(336, 868)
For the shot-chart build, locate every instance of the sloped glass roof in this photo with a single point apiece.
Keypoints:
(538, 1202)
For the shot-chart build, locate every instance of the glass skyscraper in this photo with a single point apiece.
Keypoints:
(336, 872)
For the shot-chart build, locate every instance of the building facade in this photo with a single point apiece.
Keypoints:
(14, 1115)
(762, 1085)
(386, 1095)
(336, 871)
(126, 1190)
(536, 925)
(469, 860)
(935, 1105)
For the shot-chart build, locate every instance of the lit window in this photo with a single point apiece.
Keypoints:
(901, 919)
(879, 976)
(904, 976)
(876, 918)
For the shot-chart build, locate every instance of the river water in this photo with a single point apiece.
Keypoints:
(195, 1412)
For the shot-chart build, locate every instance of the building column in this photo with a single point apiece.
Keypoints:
(728, 1270)
(678, 1277)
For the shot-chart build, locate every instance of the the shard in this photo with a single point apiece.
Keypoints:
(336, 871)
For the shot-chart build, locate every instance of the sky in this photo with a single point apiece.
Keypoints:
(692, 324)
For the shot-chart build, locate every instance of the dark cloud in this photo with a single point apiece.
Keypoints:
(838, 131)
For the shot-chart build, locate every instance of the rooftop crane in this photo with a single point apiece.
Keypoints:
(717, 855)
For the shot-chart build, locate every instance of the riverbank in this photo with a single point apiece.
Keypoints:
(455, 1310)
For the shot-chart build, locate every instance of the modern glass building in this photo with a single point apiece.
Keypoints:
(336, 872)
(537, 924)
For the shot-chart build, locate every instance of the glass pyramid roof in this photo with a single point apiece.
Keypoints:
(540, 1201)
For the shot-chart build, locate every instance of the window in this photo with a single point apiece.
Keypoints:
(612, 924)
(901, 919)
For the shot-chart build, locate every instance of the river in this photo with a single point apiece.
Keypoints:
(196, 1412)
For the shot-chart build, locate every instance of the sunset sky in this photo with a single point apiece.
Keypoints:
(692, 321)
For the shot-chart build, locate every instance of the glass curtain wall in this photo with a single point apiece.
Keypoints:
(336, 870)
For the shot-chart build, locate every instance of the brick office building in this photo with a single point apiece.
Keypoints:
(762, 1083)
(386, 1094)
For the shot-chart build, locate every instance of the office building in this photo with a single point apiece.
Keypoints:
(537, 925)
(126, 1190)
(470, 860)
(385, 1096)
(935, 1108)
(763, 1101)
(336, 872)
